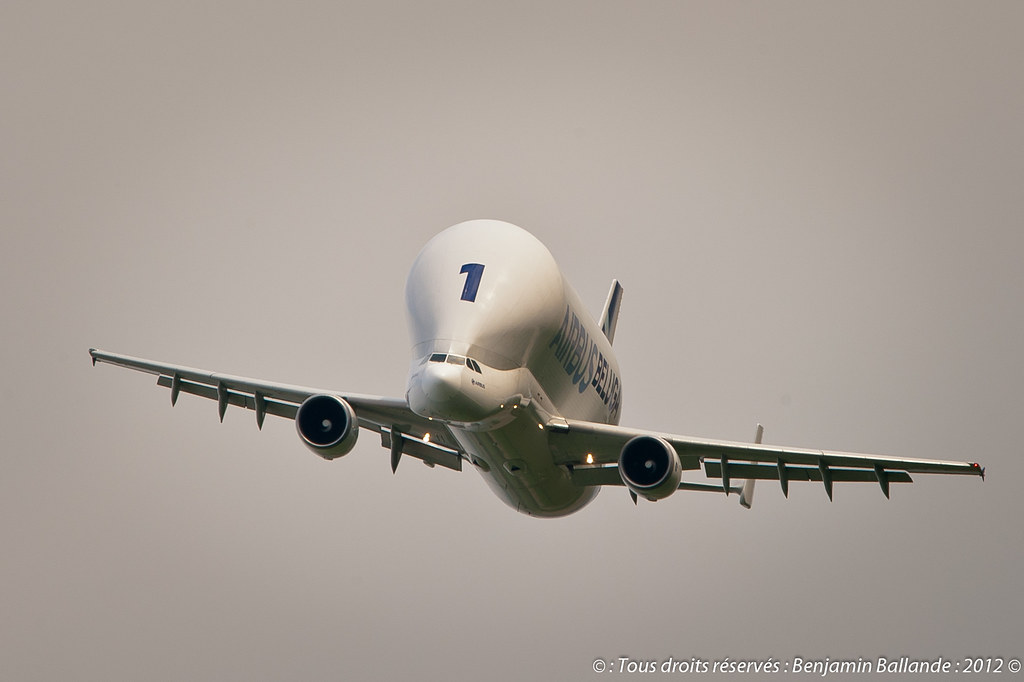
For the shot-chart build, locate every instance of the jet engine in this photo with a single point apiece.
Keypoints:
(650, 467)
(327, 425)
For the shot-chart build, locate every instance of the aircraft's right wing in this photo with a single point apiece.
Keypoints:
(592, 451)
(400, 430)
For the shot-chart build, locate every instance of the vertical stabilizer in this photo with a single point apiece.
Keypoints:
(610, 317)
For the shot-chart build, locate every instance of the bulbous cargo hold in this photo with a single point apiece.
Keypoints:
(491, 291)
(327, 425)
(650, 467)
(486, 289)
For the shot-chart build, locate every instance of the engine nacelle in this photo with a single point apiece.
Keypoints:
(650, 467)
(327, 425)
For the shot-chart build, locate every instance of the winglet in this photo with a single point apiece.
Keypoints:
(610, 316)
(92, 354)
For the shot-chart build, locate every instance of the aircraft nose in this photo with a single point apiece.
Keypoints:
(442, 383)
(454, 392)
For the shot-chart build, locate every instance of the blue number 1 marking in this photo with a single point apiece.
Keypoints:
(473, 272)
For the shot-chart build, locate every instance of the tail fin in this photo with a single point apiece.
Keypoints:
(610, 317)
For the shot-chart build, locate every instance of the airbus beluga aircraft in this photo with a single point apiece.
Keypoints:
(511, 375)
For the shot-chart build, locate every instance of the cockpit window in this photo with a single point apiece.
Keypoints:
(457, 360)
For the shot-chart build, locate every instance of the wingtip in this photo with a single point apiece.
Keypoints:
(980, 469)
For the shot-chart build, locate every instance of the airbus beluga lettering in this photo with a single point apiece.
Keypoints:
(511, 375)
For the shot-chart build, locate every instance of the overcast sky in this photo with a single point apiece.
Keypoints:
(816, 211)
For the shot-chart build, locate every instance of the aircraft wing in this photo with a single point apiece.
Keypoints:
(592, 450)
(400, 429)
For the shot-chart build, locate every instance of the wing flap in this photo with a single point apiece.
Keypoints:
(431, 453)
(596, 475)
(609, 475)
(772, 454)
(247, 401)
(713, 469)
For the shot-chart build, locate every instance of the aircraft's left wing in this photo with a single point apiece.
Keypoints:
(401, 430)
(592, 451)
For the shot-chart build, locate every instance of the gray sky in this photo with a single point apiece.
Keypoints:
(815, 209)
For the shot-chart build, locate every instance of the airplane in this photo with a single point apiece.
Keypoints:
(512, 376)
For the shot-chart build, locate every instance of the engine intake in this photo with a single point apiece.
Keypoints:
(327, 425)
(650, 467)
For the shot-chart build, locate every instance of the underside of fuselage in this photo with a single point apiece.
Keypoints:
(516, 463)
(497, 417)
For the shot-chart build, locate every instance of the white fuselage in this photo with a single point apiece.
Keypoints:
(500, 344)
